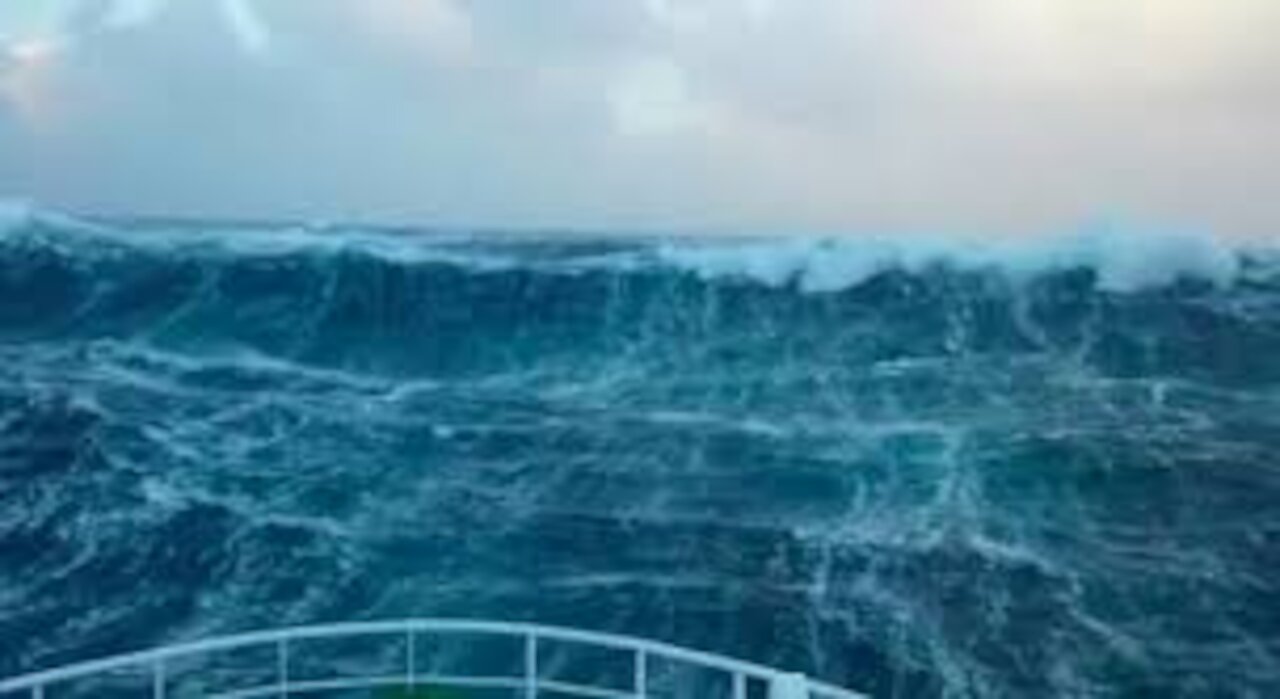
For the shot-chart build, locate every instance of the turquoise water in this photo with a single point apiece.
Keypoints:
(915, 474)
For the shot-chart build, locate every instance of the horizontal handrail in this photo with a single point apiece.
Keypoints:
(304, 686)
(157, 657)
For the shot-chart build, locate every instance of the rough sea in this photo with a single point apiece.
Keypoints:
(917, 470)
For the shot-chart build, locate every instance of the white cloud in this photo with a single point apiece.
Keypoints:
(652, 97)
(248, 27)
(440, 29)
(26, 21)
(991, 114)
(132, 13)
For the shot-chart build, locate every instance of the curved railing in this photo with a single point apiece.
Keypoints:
(625, 667)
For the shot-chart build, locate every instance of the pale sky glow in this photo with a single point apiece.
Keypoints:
(1007, 116)
(250, 31)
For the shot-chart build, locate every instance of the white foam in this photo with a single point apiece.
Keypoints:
(1123, 260)
(814, 264)
(1127, 263)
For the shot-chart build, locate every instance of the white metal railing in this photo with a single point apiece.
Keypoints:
(157, 664)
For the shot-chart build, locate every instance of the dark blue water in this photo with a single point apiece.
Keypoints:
(920, 479)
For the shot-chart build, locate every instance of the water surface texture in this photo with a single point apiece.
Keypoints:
(920, 476)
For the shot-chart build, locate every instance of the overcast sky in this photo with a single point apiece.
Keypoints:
(1008, 116)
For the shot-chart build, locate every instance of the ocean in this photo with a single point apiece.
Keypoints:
(915, 469)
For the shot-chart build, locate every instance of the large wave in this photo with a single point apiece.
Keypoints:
(922, 468)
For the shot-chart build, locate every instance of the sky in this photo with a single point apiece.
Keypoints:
(1002, 116)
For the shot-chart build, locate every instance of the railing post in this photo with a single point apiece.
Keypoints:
(789, 685)
(37, 692)
(642, 674)
(158, 680)
(531, 666)
(282, 666)
(411, 658)
(739, 685)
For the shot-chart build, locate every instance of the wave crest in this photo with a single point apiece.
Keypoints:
(1121, 259)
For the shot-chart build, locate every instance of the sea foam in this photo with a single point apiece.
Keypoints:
(1124, 259)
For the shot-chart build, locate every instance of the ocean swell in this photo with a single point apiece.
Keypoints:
(922, 469)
